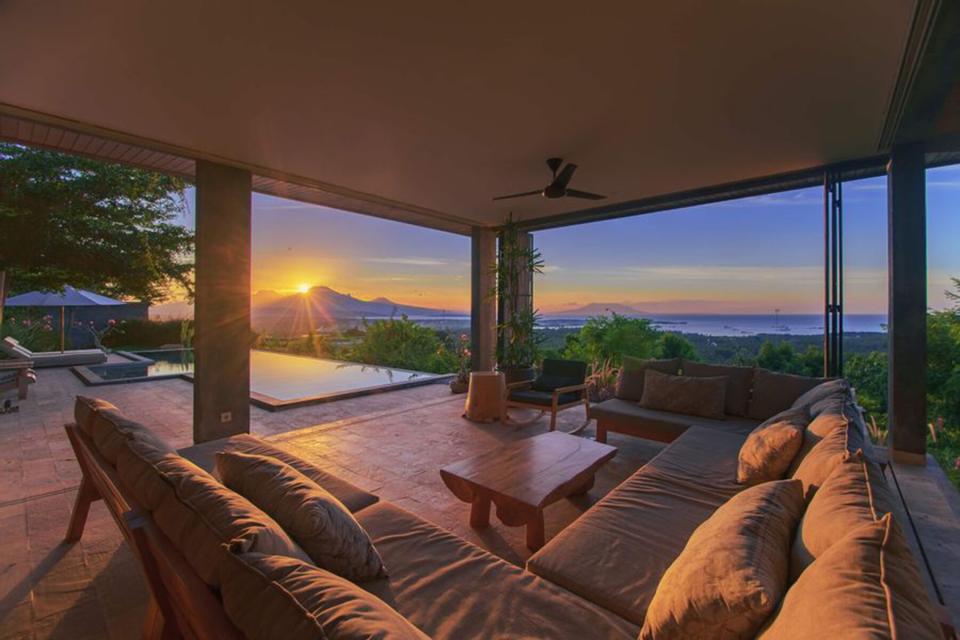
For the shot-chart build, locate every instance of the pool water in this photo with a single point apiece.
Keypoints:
(277, 375)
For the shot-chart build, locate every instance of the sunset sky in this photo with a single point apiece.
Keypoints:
(744, 256)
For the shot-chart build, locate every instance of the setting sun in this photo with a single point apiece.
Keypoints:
(303, 288)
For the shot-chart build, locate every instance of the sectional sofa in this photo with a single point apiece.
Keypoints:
(753, 394)
(596, 579)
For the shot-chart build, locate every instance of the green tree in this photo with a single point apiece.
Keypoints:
(610, 337)
(70, 220)
(400, 342)
(674, 345)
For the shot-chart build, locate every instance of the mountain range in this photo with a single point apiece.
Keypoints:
(599, 309)
(300, 312)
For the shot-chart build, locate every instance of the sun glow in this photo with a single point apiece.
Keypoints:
(303, 288)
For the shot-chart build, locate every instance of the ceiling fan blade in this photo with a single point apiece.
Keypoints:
(563, 179)
(519, 195)
(586, 195)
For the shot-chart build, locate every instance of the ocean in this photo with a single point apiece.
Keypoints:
(705, 324)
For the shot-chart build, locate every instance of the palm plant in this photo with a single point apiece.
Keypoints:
(516, 342)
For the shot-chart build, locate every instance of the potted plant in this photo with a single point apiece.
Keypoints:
(516, 343)
(461, 382)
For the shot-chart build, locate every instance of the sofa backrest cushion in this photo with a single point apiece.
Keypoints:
(854, 493)
(837, 389)
(631, 377)
(197, 513)
(683, 394)
(733, 570)
(774, 392)
(827, 441)
(866, 585)
(739, 382)
(111, 431)
(86, 409)
(269, 597)
(770, 448)
(317, 521)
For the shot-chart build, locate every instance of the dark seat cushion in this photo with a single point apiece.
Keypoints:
(545, 398)
(629, 417)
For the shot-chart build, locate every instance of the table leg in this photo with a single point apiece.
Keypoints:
(535, 531)
(585, 487)
(480, 511)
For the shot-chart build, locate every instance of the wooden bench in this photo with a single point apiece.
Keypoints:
(181, 604)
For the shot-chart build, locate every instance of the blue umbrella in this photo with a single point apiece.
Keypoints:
(69, 297)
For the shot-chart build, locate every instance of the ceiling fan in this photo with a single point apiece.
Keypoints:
(558, 187)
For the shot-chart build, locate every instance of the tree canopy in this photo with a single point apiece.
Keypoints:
(68, 220)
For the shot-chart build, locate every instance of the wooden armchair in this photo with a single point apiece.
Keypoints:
(17, 374)
(560, 385)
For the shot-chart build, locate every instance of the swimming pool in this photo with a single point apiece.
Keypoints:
(277, 380)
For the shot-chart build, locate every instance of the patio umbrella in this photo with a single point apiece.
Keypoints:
(70, 297)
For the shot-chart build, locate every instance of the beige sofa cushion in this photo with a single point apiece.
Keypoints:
(631, 378)
(774, 392)
(110, 431)
(826, 441)
(629, 417)
(733, 571)
(633, 534)
(831, 390)
(682, 394)
(854, 493)
(739, 382)
(771, 447)
(866, 585)
(269, 597)
(452, 589)
(317, 521)
(353, 497)
(195, 511)
(86, 409)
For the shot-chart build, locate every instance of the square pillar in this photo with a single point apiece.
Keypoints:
(221, 393)
(907, 328)
(483, 305)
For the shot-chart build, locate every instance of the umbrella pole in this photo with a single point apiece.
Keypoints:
(62, 329)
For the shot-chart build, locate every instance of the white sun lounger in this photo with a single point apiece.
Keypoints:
(16, 350)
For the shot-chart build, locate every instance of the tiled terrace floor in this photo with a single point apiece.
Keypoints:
(391, 443)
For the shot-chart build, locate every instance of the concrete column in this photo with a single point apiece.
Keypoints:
(483, 306)
(907, 256)
(221, 394)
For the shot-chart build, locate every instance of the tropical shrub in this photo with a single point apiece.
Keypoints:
(144, 334)
(35, 332)
(400, 342)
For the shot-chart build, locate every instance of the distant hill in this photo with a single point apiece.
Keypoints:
(599, 309)
(299, 313)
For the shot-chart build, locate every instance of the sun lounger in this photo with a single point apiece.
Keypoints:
(15, 350)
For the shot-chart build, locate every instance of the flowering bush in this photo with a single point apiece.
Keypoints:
(33, 332)
(100, 334)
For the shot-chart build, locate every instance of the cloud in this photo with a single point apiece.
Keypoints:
(552, 268)
(411, 261)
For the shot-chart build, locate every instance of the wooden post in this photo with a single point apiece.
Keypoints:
(221, 394)
(907, 354)
(483, 306)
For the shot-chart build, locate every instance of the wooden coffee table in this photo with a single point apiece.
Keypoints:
(524, 477)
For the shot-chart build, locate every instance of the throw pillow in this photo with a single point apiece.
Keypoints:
(704, 397)
(774, 392)
(867, 585)
(733, 570)
(739, 382)
(826, 442)
(855, 492)
(269, 597)
(317, 521)
(771, 447)
(631, 377)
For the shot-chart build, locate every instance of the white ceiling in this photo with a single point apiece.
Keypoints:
(438, 106)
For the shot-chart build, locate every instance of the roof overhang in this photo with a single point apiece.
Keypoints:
(423, 114)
